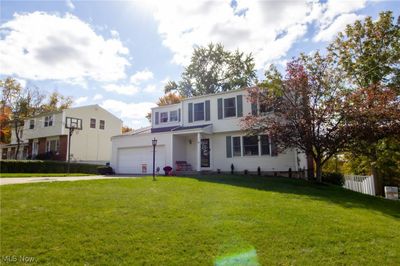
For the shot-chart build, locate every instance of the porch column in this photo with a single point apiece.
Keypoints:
(198, 151)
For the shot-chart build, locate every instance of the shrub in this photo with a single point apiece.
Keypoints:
(15, 166)
(105, 170)
(246, 172)
(333, 178)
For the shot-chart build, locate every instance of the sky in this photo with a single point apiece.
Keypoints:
(119, 54)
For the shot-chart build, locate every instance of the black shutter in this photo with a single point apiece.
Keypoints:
(179, 114)
(156, 114)
(190, 112)
(239, 105)
(274, 149)
(207, 110)
(220, 108)
(254, 108)
(228, 146)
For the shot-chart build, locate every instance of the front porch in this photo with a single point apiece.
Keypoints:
(193, 148)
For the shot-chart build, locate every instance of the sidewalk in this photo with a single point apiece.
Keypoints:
(26, 180)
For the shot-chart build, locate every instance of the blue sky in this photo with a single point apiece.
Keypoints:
(119, 54)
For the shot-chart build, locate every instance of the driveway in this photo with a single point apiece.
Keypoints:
(26, 180)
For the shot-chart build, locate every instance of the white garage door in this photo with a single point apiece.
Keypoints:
(137, 160)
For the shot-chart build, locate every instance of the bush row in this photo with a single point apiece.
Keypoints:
(14, 166)
(333, 178)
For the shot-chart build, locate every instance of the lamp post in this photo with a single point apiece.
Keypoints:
(71, 131)
(154, 142)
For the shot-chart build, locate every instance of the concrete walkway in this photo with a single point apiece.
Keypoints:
(26, 180)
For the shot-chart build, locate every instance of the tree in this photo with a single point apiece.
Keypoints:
(22, 103)
(213, 69)
(167, 99)
(369, 54)
(126, 129)
(18, 104)
(5, 130)
(306, 108)
(56, 102)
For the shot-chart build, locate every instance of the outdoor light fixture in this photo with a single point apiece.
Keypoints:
(154, 142)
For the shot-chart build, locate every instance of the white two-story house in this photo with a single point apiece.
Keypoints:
(202, 133)
(45, 136)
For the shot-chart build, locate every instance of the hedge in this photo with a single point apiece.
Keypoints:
(333, 178)
(36, 166)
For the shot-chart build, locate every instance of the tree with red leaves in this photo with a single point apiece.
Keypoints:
(306, 108)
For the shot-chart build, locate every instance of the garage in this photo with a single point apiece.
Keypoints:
(139, 160)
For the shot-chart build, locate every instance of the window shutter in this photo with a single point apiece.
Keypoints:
(220, 108)
(239, 105)
(156, 118)
(207, 110)
(274, 149)
(179, 114)
(254, 108)
(190, 113)
(228, 146)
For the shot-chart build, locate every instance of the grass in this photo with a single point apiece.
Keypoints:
(197, 221)
(8, 175)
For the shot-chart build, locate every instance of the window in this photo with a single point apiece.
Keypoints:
(31, 124)
(198, 109)
(164, 117)
(92, 123)
(237, 147)
(264, 145)
(229, 107)
(52, 145)
(250, 145)
(102, 124)
(173, 116)
(48, 121)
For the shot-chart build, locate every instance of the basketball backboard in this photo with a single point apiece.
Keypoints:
(74, 123)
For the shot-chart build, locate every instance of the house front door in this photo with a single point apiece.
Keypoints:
(205, 153)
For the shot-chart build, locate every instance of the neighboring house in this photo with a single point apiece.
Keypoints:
(201, 134)
(45, 136)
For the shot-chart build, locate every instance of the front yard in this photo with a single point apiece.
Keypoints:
(197, 221)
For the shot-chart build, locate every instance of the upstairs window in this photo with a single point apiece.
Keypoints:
(102, 124)
(48, 121)
(250, 145)
(164, 117)
(173, 116)
(229, 107)
(198, 110)
(92, 123)
(31, 124)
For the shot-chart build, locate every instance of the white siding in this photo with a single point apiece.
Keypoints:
(93, 144)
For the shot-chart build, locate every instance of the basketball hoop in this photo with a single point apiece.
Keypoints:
(72, 124)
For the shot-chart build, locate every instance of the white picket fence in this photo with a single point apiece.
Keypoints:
(360, 183)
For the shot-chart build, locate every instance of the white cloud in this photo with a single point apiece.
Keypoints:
(333, 8)
(141, 76)
(150, 88)
(268, 29)
(98, 97)
(327, 34)
(81, 100)
(122, 89)
(131, 113)
(40, 46)
(69, 4)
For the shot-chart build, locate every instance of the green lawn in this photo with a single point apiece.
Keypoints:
(197, 221)
(7, 175)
